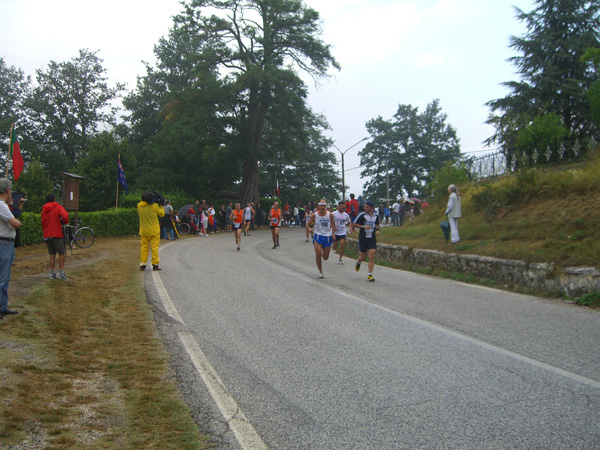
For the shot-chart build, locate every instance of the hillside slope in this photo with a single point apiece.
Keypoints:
(550, 215)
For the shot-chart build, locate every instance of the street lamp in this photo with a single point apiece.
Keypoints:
(343, 173)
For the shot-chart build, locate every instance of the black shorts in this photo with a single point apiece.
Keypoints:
(365, 244)
(339, 237)
(274, 226)
(56, 245)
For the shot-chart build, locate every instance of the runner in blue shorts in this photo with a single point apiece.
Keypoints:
(342, 219)
(324, 227)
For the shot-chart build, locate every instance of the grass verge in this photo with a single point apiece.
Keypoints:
(83, 366)
(542, 215)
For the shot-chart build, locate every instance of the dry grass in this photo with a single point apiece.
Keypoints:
(82, 365)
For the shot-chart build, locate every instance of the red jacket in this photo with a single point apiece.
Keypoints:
(54, 217)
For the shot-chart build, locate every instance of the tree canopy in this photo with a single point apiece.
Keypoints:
(68, 107)
(554, 79)
(409, 148)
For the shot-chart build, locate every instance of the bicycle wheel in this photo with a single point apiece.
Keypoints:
(84, 237)
(184, 228)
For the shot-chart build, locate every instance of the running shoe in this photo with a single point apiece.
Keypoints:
(61, 276)
(244, 233)
(274, 246)
(305, 240)
(52, 276)
(370, 278)
(357, 267)
(340, 262)
(238, 247)
(277, 242)
(321, 274)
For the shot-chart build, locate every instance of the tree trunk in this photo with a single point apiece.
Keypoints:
(257, 114)
(250, 181)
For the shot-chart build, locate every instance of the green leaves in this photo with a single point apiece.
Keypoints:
(554, 79)
(408, 149)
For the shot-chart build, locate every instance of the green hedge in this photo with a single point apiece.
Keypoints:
(123, 222)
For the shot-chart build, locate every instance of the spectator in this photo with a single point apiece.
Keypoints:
(297, 214)
(353, 207)
(148, 213)
(167, 222)
(223, 218)
(228, 211)
(259, 216)
(396, 207)
(453, 212)
(8, 227)
(54, 217)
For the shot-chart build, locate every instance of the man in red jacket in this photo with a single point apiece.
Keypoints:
(54, 217)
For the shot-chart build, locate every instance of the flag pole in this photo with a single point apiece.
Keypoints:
(117, 203)
(12, 126)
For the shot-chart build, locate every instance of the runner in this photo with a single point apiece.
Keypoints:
(248, 216)
(275, 220)
(368, 222)
(309, 224)
(324, 228)
(287, 213)
(237, 215)
(341, 220)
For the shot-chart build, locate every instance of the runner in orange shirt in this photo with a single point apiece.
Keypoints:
(275, 216)
(238, 216)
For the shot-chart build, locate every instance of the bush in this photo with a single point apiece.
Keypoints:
(123, 222)
(450, 173)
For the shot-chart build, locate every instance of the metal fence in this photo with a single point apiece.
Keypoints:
(547, 154)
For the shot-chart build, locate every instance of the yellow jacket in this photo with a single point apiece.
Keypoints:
(149, 214)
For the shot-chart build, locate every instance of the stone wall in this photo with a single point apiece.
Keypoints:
(539, 277)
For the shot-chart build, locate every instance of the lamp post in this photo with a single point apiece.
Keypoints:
(343, 173)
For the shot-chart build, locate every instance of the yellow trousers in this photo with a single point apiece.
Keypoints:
(149, 243)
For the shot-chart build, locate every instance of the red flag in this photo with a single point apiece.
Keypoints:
(14, 150)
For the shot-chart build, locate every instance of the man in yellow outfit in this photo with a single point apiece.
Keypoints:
(149, 211)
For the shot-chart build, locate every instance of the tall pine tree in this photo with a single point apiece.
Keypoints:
(554, 79)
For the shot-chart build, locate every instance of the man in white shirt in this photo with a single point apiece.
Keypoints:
(8, 227)
(396, 213)
(341, 219)
(324, 228)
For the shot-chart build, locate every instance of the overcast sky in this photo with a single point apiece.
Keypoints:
(391, 51)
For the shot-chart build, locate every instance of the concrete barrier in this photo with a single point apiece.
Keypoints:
(539, 277)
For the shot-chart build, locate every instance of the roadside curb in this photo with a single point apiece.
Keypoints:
(541, 277)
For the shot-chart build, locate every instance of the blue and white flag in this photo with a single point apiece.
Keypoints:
(121, 177)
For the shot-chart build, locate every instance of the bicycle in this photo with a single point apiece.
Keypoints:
(184, 228)
(82, 237)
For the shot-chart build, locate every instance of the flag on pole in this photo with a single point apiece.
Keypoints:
(14, 151)
(121, 177)
(277, 183)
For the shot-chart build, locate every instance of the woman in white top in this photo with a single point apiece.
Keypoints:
(248, 215)
(453, 212)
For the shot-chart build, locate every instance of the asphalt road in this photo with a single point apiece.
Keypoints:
(270, 356)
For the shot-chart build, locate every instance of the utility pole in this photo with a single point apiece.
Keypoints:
(387, 180)
(343, 168)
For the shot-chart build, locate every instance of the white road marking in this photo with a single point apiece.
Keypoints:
(533, 362)
(243, 430)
